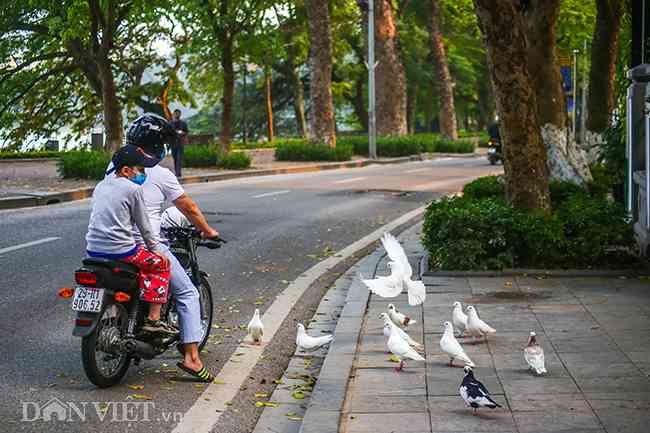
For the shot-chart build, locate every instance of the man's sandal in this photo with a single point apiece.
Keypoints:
(203, 375)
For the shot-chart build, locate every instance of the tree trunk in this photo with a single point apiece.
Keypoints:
(228, 91)
(428, 108)
(298, 99)
(390, 75)
(566, 160)
(269, 105)
(525, 154)
(447, 115)
(485, 104)
(359, 103)
(412, 107)
(323, 129)
(604, 52)
(112, 109)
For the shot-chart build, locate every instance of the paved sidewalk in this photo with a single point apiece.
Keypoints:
(595, 333)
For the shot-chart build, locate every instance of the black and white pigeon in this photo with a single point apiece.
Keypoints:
(475, 393)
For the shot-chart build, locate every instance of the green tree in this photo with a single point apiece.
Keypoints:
(68, 61)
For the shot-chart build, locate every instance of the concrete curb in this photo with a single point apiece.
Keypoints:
(327, 399)
(80, 194)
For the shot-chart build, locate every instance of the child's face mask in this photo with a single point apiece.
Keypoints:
(138, 177)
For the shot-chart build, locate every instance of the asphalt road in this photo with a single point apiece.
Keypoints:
(278, 226)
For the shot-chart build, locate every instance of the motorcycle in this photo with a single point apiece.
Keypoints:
(110, 314)
(495, 153)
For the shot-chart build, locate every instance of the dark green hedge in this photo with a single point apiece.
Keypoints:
(31, 154)
(234, 161)
(82, 164)
(294, 150)
(407, 145)
(200, 156)
(481, 231)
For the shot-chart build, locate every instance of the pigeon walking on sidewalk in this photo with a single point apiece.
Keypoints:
(256, 327)
(400, 348)
(459, 318)
(398, 318)
(452, 347)
(534, 355)
(400, 277)
(309, 343)
(475, 326)
(389, 325)
(475, 393)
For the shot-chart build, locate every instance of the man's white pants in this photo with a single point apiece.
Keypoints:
(187, 300)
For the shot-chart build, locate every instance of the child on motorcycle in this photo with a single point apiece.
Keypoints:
(118, 207)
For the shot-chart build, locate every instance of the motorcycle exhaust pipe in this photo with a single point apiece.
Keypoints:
(140, 348)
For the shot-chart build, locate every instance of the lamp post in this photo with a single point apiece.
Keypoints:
(372, 124)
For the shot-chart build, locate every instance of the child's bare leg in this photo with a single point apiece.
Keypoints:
(154, 311)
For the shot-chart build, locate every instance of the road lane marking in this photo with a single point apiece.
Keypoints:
(442, 183)
(418, 170)
(28, 244)
(353, 179)
(204, 414)
(271, 194)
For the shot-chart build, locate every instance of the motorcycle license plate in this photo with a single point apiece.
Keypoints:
(88, 299)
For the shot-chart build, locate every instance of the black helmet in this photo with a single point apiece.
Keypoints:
(150, 132)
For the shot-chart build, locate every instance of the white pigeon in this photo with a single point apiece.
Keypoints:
(388, 286)
(452, 347)
(256, 327)
(459, 318)
(308, 343)
(401, 320)
(475, 326)
(534, 355)
(400, 276)
(400, 348)
(388, 325)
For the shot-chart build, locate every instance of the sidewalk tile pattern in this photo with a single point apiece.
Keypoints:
(595, 333)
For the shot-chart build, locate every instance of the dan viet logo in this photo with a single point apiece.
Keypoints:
(55, 410)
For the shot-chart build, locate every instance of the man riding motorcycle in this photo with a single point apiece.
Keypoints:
(151, 132)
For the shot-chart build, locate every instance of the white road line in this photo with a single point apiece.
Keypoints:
(28, 244)
(418, 170)
(271, 194)
(353, 179)
(443, 183)
(208, 408)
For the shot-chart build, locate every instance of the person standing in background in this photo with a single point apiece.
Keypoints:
(180, 126)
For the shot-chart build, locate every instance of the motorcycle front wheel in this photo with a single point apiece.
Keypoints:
(205, 305)
(104, 364)
(205, 296)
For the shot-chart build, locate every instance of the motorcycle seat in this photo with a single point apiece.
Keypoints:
(111, 264)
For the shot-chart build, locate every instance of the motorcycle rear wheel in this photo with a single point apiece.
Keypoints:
(112, 322)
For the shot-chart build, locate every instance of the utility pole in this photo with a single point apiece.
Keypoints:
(245, 105)
(372, 123)
(575, 90)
